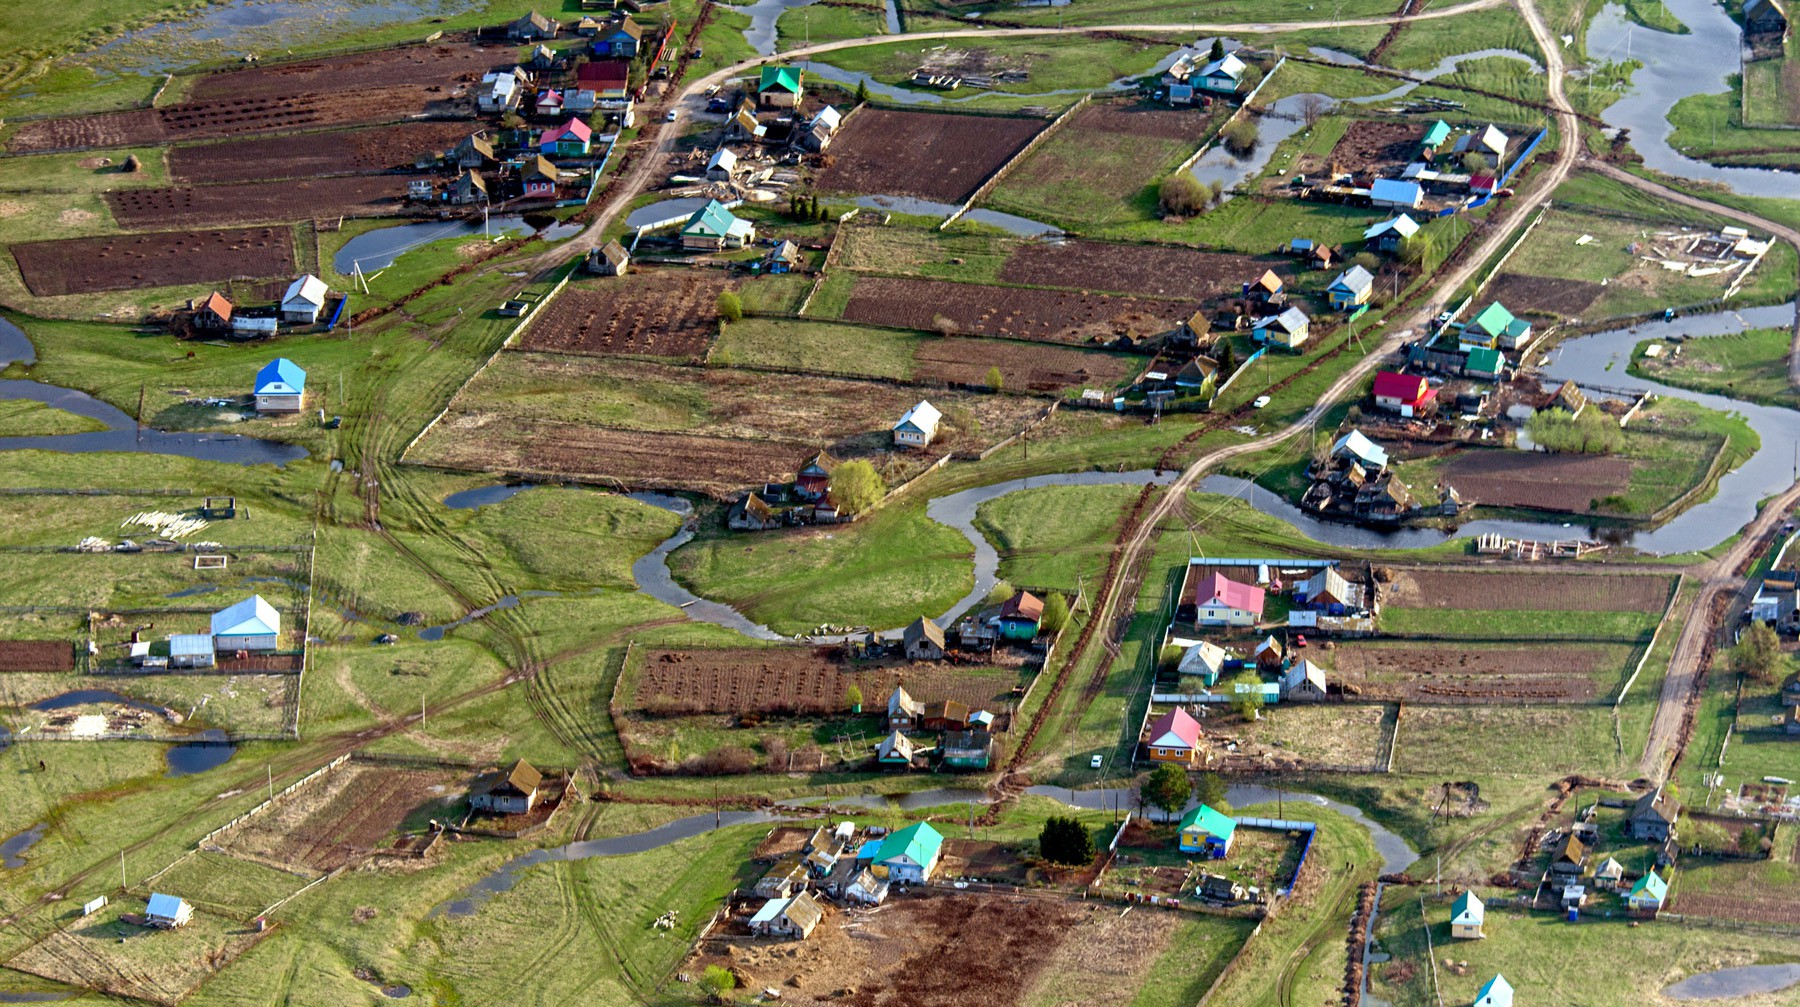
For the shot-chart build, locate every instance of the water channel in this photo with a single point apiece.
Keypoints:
(1677, 67)
(1010, 223)
(377, 249)
(122, 433)
(1735, 983)
(12, 849)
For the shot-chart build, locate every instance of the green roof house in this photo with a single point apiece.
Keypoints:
(1434, 137)
(910, 854)
(1204, 830)
(713, 227)
(1484, 363)
(1495, 328)
(780, 86)
(1648, 893)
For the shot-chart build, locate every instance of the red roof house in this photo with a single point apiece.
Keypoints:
(570, 139)
(1406, 394)
(1173, 737)
(1221, 601)
(604, 75)
(214, 312)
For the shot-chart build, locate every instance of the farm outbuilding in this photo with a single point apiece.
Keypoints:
(303, 300)
(1206, 660)
(972, 749)
(1303, 681)
(923, 640)
(1020, 616)
(917, 428)
(1388, 234)
(280, 387)
(720, 166)
(190, 650)
(713, 227)
(1391, 193)
(789, 917)
(168, 912)
(1467, 914)
(895, 751)
(213, 313)
(251, 624)
(610, 260)
(510, 791)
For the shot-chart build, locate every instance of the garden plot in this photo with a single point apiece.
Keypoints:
(299, 199)
(928, 155)
(1430, 588)
(1012, 312)
(1564, 483)
(1479, 673)
(350, 815)
(164, 707)
(408, 64)
(1377, 147)
(112, 953)
(1102, 164)
(313, 155)
(135, 261)
(661, 313)
(37, 655)
(1148, 270)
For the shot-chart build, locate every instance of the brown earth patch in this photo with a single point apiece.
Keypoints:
(1033, 367)
(415, 64)
(132, 261)
(313, 155)
(664, 313)
(37, 655)
(1151, 270)
(1548, 482)
(1441, 673)
(928, 155)
(1546, 296)
(1014, 312)
(1369, 144)
(1549, 592)
(346, 817)
(246, 202)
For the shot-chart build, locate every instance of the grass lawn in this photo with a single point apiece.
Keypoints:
(1712, 127)
(1768, 100)
(883, 571)
(1422, 44)
(1633, 285)
(820, 347)
(1752, 366)
(1055, 537)
(967, 252)
(798, 27)
(1054, 63)
(1522, 625)
(24, 418)
(1534, 741)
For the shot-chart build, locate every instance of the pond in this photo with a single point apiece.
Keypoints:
(12, 849)
(1677, 67)
(122, 433)
(1733, 983)
(481, 496)
(761, 33)
(1022, 226)
(84, 697)
(1281, 120)
(377, 249)
(210, 749)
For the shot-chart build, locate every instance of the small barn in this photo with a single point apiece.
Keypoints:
(610, 259)
(1020, 617)
(304, 299)
(1205, 660)
(251, 624)
(1304, 681)
(814, 480)
(923, 640)
(509, 791)
(971, 749)
(1496, 992)
(213, 313)
(789, 917)
(190, 650)
(1467, 914)
(895, 751)
(168, 912)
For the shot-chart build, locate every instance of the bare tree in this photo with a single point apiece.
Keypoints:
(1313, 108)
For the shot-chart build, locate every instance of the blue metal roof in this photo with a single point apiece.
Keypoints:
(1392, 190)
(280, 376)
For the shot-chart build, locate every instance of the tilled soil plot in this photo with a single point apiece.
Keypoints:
(299, 199)
(716, 465)
(1474, 674)
(1368, 144)
(1015, 312)
(1549, 592)
(339, 820)
(1566, 483)
(312, 155)
(1747, 904)
(227, 117)
(1137, 120)
(1022, 365)
(133, 261)
(796, 680)
(928, 155)
(36, 655)
(413, 64)
(1153, 270)
(666, 313)
(1546, 296)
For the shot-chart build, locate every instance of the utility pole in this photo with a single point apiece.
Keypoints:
(121, 870)
(271, 770)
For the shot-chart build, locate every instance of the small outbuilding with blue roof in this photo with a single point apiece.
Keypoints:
(280, 387)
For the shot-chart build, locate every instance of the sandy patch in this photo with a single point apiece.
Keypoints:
(74, 216)
(94, 162)
(8, 208)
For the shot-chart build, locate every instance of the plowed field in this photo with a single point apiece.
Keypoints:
(1022, 365)
(1568, 483)
(1550, 296)
(1369, 144)
(1548, 592)
(341, 819)
(36, 655)
(132, 261)
(313, 155)
(716, 465)
(668, 313)
(802, 680)
(300, 199)
(1016, 312)
(929, 155)
(417, 64)
(1151, 270)
(1439, 673)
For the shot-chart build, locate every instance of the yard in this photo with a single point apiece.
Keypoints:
(1752, 366)
(106, 952)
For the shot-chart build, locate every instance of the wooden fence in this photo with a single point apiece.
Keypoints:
(981, 191)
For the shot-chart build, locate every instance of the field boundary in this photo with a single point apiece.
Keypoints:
(985, 188)
(1650, 645)
(306, 780)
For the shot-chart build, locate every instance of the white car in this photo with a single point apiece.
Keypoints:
(672, 116)
(1094, 763)
(1259, 402)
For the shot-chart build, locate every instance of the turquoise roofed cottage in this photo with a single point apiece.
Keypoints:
(1495, 328)
(251, 624)
(280, 387)
(1204, 830)
(1435, 137)
(1467, 914)
(1496, 992)
(909, 855)
(780, 86)
(713, 227)
(1648, 893)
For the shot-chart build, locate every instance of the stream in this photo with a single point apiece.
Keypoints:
(1395, 854)
(1677, 67)
(1733, 983)
(123, 433)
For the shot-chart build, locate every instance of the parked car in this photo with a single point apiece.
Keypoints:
(1259, 402)
(1095, 762)
(671, 116)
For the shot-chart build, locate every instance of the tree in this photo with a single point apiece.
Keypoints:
(1167, 787)
(1240, 138)
(995, 380)
(1474, 163)
(1215, 192)
(1218, 50)
(718, 982)
(1181, 195)
(1209, 789)
(1368, 260)
(1757, 655)
(1246, 695)
(853, 696)
(1416, 250)
(856, 487)
(1228, 364)
(1253, 76)
(1056, 613)
(1749, 841)
(1064, 841)
(1313, 108)
(731, 307)
(862, 90)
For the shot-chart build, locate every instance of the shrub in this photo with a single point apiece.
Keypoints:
(1065, 841)
(1056, 614)
(731, 307)
(856, 487)
(1167, 787)
(1240, 137)
(1182, 194)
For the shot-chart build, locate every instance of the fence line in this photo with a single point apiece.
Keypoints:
(265, 805)
(1037, 141)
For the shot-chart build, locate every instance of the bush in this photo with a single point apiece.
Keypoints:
(1182, 195)
(1247, 703)
(718, 982)
(856, 487)
(995, 380)
(1209, 788)
(1056, 614)
(1240, 138)
(1591, 433)
(1065, 841)
(731, 307)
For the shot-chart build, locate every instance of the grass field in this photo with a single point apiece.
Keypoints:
(1054, 64)
(822, 347)
(1752, 366)
(1713, 127)
(1768, 98)
(1632, 284)
(1054, 538)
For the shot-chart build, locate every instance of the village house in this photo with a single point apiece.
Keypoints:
(1496, 992)
(1495, 328)
(1221, 76)
(1394, 194)
(509, 791)
(304, 299)
(500, 91)
(213, 313)
(166, 912)
(1568, 857)
(1303, 681)
(1647, 894)
(548, 103)
(1407, 394)
(1173, 737)
(1020, 616)
(814, 480)
(720, 166)
(918, 427)
(1488, 141)
(909, 855)
(472, 151)
(904, 713)
(1435, 136)
(782, 258)
(1467, 914)
(611, 259)
(1198, 376)
(714, 228)
(251, 624)
(1288, 329)
(1205, 660)
(795, 916)
(1387, 235)
(780, 86)
(571, 139)
(1268, 289)
(1352, 289)
(896, 751)
(468, 188)
(971, 749)
(945, 715)
(531, 27)
(752, 513)
(1221, 601)
(866, 889)
(1609, 874)
(923, 640)
(1193, 332)
(539, 177)
(1204, 830)
(1653, 817)
(623, 39)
